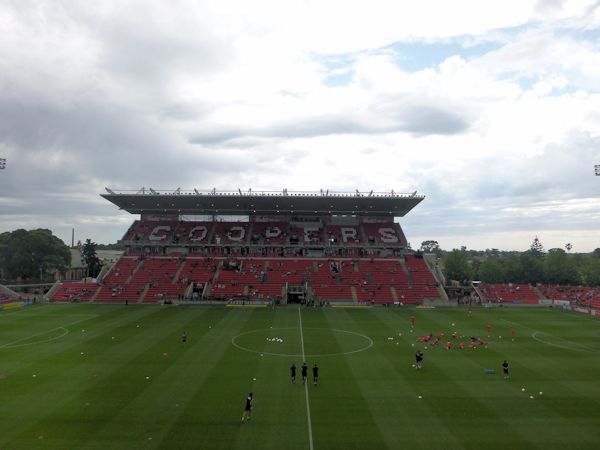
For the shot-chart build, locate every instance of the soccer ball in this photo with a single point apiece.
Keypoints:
(522, 389)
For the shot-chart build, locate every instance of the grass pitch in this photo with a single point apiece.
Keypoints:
(119, 377)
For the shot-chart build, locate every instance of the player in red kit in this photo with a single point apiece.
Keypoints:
(488, 329)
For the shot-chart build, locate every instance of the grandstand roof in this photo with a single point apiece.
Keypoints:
(150, 201)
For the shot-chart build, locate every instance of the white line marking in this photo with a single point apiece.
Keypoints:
(287, 355)
(310, 437)
(64, 327)
(575, 349)
(573, 345)
(14, 345)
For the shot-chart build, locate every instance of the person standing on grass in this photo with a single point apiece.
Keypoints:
(315, 371)
(184, 338)
(488, 329)
(248, 407)
(505, 369)
(419, 359)
(413, 319)
(304, 372)
(293, 372)
(513, 333)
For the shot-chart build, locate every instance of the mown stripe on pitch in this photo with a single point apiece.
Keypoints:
(340, 412)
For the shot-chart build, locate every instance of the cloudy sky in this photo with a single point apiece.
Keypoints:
(489, 109)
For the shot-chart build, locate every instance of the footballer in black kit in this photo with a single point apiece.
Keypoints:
(293, 372)
(304, 372)
(248, 407)
(419, 359)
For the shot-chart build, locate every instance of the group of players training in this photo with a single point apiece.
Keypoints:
(303, 370)
(419, 354)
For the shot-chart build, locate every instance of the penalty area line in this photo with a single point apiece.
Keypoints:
(310, 437)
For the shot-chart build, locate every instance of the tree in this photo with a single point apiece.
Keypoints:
(513, 271)
(559, 268)
(591, 272)
(29, 255)
(492, 271)
(431, 247)
(536, 248)
(90, 259)
(531, 268)
(456, 266)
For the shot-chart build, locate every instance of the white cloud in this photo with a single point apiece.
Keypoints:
(236, 94)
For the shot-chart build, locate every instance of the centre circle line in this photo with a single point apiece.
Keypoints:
(297, 355)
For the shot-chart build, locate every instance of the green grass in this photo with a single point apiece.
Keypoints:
(65, 389)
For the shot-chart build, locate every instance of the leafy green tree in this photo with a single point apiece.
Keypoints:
(531, 268)
(513, 271)
(559, 268)
(431, 247)
(31, 255)
(492, 271)
(591, 272)
(90, 258)
(536, 248)
(456, 266)
(596, 253)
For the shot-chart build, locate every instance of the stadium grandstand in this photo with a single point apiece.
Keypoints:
(275, 247)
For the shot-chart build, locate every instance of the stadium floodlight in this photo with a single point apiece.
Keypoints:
(371, 193)
(177, 191)
(2, 163)
(109, 191)
(240, 191)
(153, 191)
(596, 169)
(196, 191)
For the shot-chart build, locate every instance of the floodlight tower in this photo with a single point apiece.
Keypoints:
(2, 163)
(597, 170)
